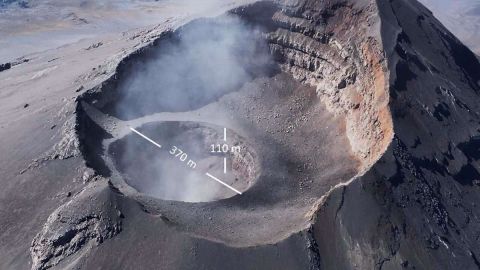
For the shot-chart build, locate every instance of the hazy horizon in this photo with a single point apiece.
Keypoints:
(461, 17)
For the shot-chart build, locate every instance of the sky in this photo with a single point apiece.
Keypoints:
(461, 17)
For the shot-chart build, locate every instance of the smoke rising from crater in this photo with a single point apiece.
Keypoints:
(192, 67)
(186, 70)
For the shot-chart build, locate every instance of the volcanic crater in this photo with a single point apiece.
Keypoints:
(253, 77)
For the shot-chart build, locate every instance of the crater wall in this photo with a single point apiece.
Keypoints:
(336, 47)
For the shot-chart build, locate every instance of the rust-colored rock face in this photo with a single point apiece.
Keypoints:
(336, 48)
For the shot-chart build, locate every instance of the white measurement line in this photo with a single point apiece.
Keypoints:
(225, 134)
(225, 165)
(221, 182)
(146, 138)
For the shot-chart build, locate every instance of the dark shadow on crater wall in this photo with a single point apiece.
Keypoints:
(91, 137)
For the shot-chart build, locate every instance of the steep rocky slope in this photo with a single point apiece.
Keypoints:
(416, 207)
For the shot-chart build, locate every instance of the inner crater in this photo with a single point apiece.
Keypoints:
(191, 154)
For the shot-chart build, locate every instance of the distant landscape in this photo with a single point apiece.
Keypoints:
(72, 20)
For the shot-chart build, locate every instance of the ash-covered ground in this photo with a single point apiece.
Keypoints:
(356, 124)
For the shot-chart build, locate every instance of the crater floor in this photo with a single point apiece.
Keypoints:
(301, 152)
